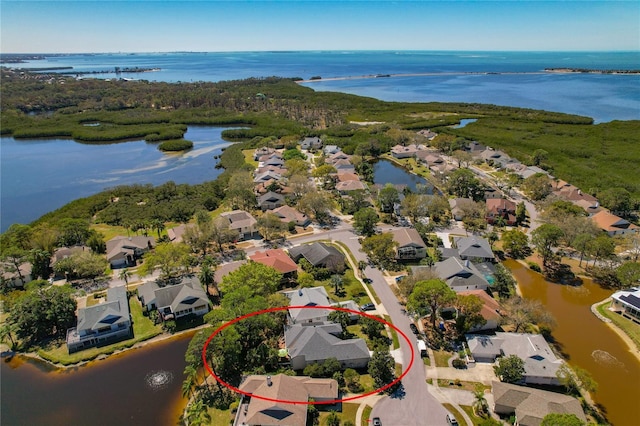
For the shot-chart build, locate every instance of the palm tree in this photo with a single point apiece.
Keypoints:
(480, 402)
(197, 414)
(206, 276)
(337, 282)
(187, 387)
(125, 274)
(158, 225)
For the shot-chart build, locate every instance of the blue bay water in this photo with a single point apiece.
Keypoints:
(39, 176)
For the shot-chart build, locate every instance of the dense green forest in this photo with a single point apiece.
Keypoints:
(593, 157)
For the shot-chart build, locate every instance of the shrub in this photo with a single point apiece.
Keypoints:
(169, 326)
(534, 266)
(458, 363)
(175, 145)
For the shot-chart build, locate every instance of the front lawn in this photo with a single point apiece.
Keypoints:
(630, 328)
(442, 358)
(143, 329)
(349, 411)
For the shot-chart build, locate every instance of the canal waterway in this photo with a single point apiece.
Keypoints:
(138, 387)
(587, 342)
(41, 175)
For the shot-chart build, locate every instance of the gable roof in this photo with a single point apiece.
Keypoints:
(474, 247)
(316, 344)
(114, 311)
(531, 405)
(270, 197)
(495, 205)
(350, 185)
(277, 259)
(490, 306)
(226, 268)
(347, 176)
(176, 234)
(408, 237)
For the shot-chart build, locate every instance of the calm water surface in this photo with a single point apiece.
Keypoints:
(38, 176)
(588, 342)
(115, 391)
(385, 171)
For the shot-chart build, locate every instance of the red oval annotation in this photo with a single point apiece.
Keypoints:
(286, 308)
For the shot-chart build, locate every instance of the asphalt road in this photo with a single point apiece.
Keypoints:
(414, 404)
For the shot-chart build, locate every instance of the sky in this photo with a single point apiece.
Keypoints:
(76, 26)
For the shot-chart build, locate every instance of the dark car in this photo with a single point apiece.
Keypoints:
(368, 307)
(376, 421)
(367, 280)
(413, 328)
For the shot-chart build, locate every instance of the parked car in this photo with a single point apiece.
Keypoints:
(376, 421)
(400, 278)
(367, 280)
(413, 328)
(368, 307)
(451, 420)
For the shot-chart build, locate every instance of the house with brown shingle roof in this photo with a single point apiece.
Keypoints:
(400, 151)
(501, 208)
(490, 309)
(410, 244)
(612, 224)
(289, 214)
(531, 405)
(124, 251)
(243, 222)
(265, 406)
(345, 187)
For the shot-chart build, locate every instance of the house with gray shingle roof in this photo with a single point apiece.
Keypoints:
(320, 255)
(471, 248)
(315, 296)
(103, 323)
(270, 200)
(307, 344)
(124, 251)
(460, 275)
(176, 300)
(243, 222)
(311, 143)
(540, 363)
(531, 405)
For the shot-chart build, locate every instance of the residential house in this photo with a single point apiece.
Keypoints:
(501, 209)
(64, 252)
(475, 147)
(270, 200)
(427, 133)
(490, 309)
(400, 151)
(590, 206)
(333, 158)
(125, 251)
(612, 224)
(280, 400)
(496, 157)
(531, 405)
(347, 176)
(471, 248)
(460, 275)
(309, 344)
(12, 277)
(459, 207)
(289, 214)
(268, 175)
(176, 234)
(314, 296)
(243, 222)
(344, 187)
(278, 260)
(103, 323)
(175, 301)
(319, 255)
(344, 166)
(540, 363)
(225, 269)
(311, 143)
(410, 244)
(331, 149)
(627, 303)
(261, 152)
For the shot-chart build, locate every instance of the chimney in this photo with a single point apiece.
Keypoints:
(269, 381)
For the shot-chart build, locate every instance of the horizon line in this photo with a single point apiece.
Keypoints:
(321, 51)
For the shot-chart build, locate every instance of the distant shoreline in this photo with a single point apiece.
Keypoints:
(462, 73)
